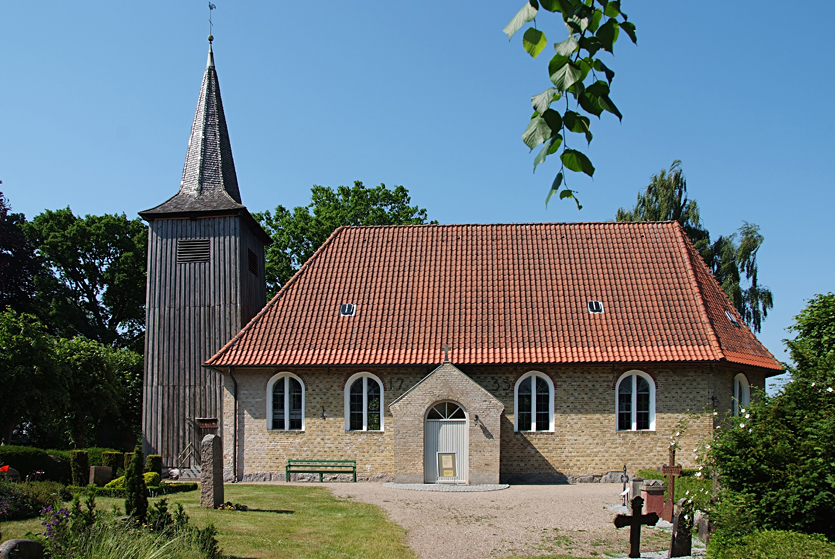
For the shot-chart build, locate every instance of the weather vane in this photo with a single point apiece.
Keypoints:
(211, 7)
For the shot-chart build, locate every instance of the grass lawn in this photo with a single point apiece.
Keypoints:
(283, 521)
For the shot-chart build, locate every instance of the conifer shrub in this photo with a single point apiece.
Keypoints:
(154, 464)
(136, 501)
(80, 466)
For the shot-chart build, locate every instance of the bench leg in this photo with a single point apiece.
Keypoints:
(320, 477)
(355, 476)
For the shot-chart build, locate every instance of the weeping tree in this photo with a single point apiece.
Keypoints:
(731, 258)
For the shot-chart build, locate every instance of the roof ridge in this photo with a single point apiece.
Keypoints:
(284, 288)
(686, 245)
(519, 224)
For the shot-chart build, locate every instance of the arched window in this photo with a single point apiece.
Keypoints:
(363, 403)
(742, 393)
(285, 403)
(635, 404)
(533, 397)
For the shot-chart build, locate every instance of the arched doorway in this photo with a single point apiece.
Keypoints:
(446, 447)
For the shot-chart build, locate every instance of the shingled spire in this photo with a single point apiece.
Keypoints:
(209, 181)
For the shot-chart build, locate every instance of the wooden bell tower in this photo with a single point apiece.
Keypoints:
(205, 282)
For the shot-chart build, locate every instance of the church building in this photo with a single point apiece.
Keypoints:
(518, 352)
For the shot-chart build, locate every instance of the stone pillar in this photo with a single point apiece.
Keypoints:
(211, 475)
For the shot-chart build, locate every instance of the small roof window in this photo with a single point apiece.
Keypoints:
(595, 307)
(732, 318)
(347, 309)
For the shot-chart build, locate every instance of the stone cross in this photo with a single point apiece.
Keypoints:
(671, 470)
(681, 544)
(211, 474)
(635, 522)
(446, 349)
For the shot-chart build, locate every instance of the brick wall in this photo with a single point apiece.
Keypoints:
(584, 442)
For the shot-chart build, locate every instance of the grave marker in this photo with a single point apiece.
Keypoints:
(671, 470)
(635, 522)
(681, 543)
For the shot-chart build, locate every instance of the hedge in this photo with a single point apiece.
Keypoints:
(773, 544)
(114, 460)
(120, 493)
(27, 460)
(153, 463)
(55, 464)
(80, 466)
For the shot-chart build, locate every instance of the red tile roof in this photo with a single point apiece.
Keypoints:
(499, 294)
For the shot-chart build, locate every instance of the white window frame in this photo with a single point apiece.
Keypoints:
(742, 394)
(550, 384)
(632, 376)
(283, 377)
(366, 378)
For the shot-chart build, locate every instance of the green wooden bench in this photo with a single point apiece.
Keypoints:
(320, 467)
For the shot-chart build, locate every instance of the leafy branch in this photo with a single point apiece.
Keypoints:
(593, 27)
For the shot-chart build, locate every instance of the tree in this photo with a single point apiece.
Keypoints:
(136, 500)
(18, 266)
(813, 347)
(575, 71)
(92, 386)
(30, 378)
(776, 459)
(93, 283)
(296, 235)
(730, 258)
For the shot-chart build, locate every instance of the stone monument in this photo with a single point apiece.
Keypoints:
(211, 475)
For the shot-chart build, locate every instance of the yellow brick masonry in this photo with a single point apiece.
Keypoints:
(585, 441)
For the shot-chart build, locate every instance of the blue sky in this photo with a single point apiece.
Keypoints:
(97, 100)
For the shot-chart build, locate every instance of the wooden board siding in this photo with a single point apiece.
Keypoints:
(192, 310)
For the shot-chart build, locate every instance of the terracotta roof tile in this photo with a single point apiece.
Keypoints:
(499, 294)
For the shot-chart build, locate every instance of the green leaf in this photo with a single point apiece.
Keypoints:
(551, 5)
(600, 67)
(553, 119)
(591, 103)
(563, 72)
(577, 162)
(594, 23)
(555, 186)
(570, 194)
(600, 90)
(534, 41)
(567, 47)
(542, 101)
(526, 14)
(613, 8)
(608, 34)
(550, 147)
(629, 28)
(537, 132)
(591, 44)
(578, 24)
(577, 123)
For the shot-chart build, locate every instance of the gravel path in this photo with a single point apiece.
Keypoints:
(520, 520)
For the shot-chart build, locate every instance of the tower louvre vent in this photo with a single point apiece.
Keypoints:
(253, 262)
(192, 250)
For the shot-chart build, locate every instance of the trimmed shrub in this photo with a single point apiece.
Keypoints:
(80, 465)
(151, 479)
(120, 493)
(97, 455)
(154, 464)
(126, 463)
(773, 544)
(28, 460)
(136, 500)
(113, 460)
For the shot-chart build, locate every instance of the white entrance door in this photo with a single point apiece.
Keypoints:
(445, 432)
